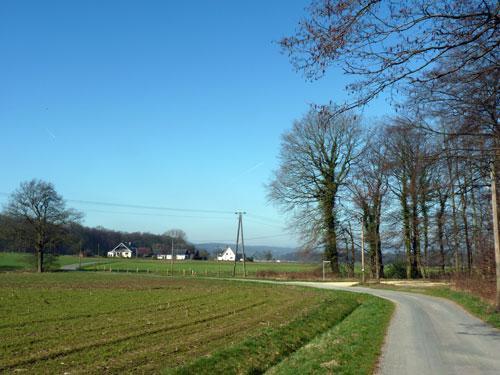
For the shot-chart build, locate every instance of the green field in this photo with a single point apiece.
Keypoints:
(208, 268)
(15, 261)
(25, 262)
(85, 322)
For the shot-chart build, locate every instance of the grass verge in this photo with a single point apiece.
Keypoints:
(473, 304)
(470, 302)
(351, 347)
(355, 327)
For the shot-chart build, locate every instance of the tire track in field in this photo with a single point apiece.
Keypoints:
(116, 323)
(86, 315)
(97, 344)
(139, 359)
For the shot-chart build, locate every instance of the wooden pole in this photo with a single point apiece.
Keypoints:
(236, 250)
(172, 259)
(363, 250)
(496, 235)
(243, 246)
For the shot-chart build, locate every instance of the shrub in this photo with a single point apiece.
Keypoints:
(395, 270)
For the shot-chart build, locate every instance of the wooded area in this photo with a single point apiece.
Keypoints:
(431, 170)
(36, 219)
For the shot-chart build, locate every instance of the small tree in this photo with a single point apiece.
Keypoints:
(37, 204)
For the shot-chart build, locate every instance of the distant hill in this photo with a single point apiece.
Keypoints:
(288, 253)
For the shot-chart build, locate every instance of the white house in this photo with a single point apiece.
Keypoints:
(120, 251)
(169, 256)
(227, 255)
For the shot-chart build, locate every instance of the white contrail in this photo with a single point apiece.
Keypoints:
(51, 134)
(247, 171)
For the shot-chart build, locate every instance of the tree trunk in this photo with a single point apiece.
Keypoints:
(454, 218)
(331, 251)
(39, 247)
(370, 238)
(440, 232)
(425, 227)
(406, 229)
(417, 270)
(463, 199)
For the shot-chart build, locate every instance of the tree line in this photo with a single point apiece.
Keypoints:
(432, 170)
(36, 220)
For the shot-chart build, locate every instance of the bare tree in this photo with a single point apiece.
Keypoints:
(43, 210)
(466, 102)
(177, 234)
(369, 186)
(410, 159)
(315, 159)
(386, 43)
(444, 51)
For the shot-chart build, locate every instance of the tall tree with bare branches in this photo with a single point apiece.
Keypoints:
(37, 204)
(315, 160)
(386, 43)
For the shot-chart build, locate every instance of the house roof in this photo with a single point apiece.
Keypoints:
(222, 252)
(121, 247)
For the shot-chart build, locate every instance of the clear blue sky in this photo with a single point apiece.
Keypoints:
(156, 103)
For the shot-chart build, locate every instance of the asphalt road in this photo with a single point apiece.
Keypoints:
(429, 335)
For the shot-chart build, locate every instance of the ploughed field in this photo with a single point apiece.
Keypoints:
(85, 322)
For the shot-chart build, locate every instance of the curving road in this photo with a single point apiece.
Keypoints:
(430, 335)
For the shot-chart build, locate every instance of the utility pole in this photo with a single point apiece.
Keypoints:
(240, 229)
(363, 250)
(496, 235)
(80, 256)
(324, 271)
(172, 259)
(98, 248)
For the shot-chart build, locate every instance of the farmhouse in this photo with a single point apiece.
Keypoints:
(169, 256)
(227, 255)
(120, 251)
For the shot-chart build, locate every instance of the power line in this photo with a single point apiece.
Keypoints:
(177, 209)
(272, 236)
(263, 223)
(157, 215)
(110, 204)
(124, 205)
(246, 239)
(264, 218)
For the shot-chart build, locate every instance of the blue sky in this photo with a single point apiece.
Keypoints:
(154, 103)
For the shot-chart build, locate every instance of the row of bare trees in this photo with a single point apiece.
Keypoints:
(444, 153)
(421, 192)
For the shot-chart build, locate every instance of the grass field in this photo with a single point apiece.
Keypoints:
(206, 268)
(85, 322)
(15, 261)
(27, 261)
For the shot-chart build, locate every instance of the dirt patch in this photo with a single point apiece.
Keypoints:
(330, 365)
